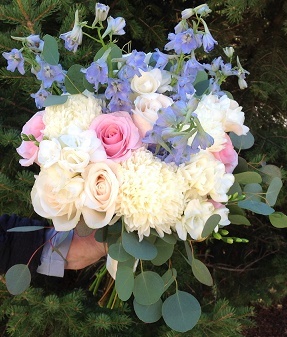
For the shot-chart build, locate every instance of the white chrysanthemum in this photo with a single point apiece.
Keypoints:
(78, 110)
(206, 175)
(151, 195)
(218, 116)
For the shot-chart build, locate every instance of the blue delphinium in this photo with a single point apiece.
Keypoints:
(15, 60)
(40, 97)
(132, 65)
(49, 73)
(97, 73)
(184, 42)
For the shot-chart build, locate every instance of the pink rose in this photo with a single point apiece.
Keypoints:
(28, 150)
(228, 156)
(118, 134)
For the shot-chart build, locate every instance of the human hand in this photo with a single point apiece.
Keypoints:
(84, 251)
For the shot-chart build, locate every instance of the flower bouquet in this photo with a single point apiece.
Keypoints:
(141, 147)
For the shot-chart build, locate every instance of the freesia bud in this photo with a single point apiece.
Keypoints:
(115, 26)
(228, 51)
(101, 13)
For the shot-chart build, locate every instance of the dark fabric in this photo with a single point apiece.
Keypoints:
(18, 247)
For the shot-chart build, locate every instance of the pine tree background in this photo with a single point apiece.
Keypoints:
(258, 31)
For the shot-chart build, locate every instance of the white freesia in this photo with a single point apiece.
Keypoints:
(57, 196)
(49, 152)
(206, 175)
(100, 193)
(145, 112)
(78, 110)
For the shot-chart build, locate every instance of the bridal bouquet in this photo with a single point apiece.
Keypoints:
(141, 146)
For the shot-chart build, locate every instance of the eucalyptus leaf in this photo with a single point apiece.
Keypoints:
(101, 234)
(50, 52)
(164, 252)
(268, 172)
(143, 250)
(256, 207)
(55, 100)
(273, 191)
(169, 277)
(235, 188)
(200, 76)
(18, 279)
(242, 166)
(210, 224)
(74, 80)
(253, 191)
(278, 220)
(170, 238)
(237, 219)
(148, 313)
(201, 87)
(234, 209)
(117, 252)
(248, 177)
(243, 142)
(201, 272)
(148, 288)
(124, 282)
(181, 311)
(26, 229)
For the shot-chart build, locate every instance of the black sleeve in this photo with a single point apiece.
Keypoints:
(18, 247)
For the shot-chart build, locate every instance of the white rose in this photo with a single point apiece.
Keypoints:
(100, 193)
(57, 196)
(147, 83)
(49, 152)
(146, 110)
(73, 160)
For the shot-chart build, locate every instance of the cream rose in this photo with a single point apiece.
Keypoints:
(146, 110)
(57, 196)
(147, 83)
(100, 193)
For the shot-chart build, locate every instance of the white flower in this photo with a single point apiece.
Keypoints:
(228, 51)
(101, 13)
(78, 110)
(146, 110)
(151, 195)
(100, 193)
(49, 152)
(206, 175)
(57, 196)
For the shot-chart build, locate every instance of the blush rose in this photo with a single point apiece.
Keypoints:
(228, 156)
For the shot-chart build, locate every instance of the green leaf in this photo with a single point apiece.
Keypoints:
(55, 100)
(237, 219)
(74, 80)
(18, 279)
(143, 250)
(169, 277)
(164, 252)
(273, 191)
(278, 220)
(181, 311)
(243, 142)
(201, 272)
(248, 177)
(242, 166)
(268, 172)
(50, 52)
(169, 238)
(210, 224)
(124, 282)
(201, 76)
(201, 87)
(25, 229)
(253, 191)
(234, 209)
(149, 287)
(256, 207)
(235, 188)
(117, 252)
(148, 313)
(101, 234)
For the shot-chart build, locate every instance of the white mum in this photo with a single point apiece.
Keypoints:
(206, 175)
(151, 195)
(78, 110)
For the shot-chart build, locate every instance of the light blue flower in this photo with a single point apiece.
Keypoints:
(40, 97)
(15, 60)
(49, 73)
(74, 37)
(115, 26)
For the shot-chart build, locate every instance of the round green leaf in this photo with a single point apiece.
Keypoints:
(210, 224)
(278, 220)
(235, 188)
(170, 238)
(256, 207)
(18, 279)
(169, 277)
(201, 272)
(143, 250)
(164, 252)
(243, 142)
(55, 100)
(50, 52)
(242, 166)
(248, 177)
(253, 191)
(268, 172)
(149, 287)
(74, 80)
(124, 282)
(181, 311)
(238, 219)
(273, 191)
(148, 313)
(117, 252)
